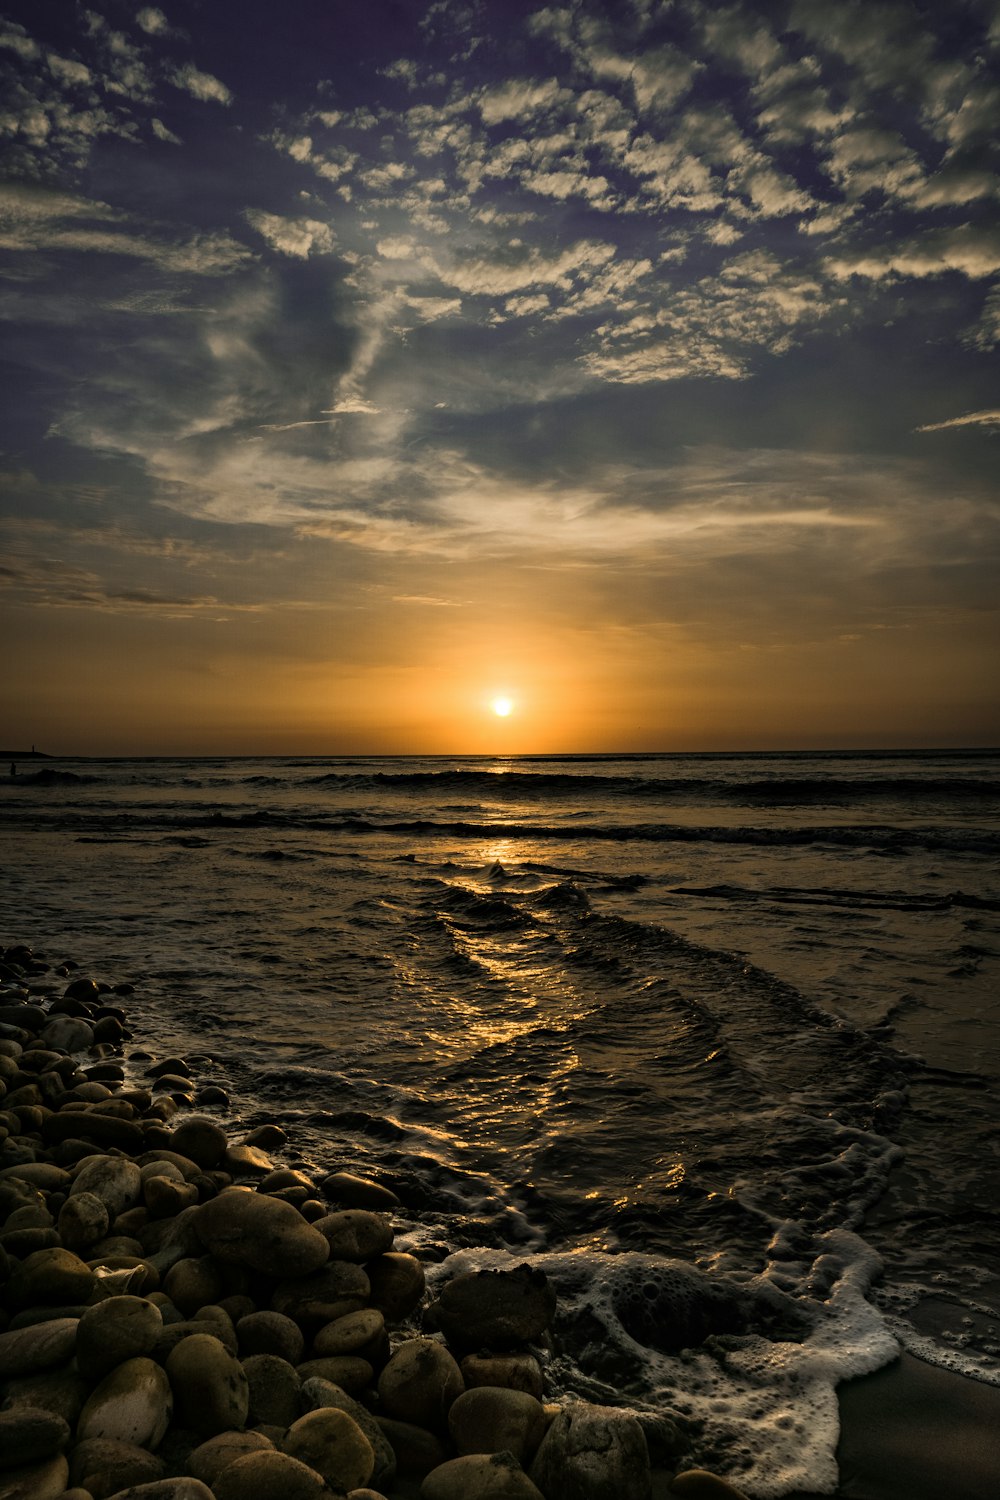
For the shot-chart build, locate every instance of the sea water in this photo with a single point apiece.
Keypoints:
(713, 1040)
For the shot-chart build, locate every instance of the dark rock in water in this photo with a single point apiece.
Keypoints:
(175, 1065)
(674, 1307)
(591, 1453)
(201, 1139)
(358, 1192)
(81, 989)
(495, 1309)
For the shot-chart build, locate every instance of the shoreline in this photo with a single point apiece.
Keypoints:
(910, 1431)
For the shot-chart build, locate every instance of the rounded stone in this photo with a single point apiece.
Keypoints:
(26, 1350)
(105, 1465)
(495, 1309)
(699, 1484)
(416, 1450)
(355, 1234)
(346, 1370)
(515, 1372)
(54, 1278)
(491, 1419)
(217, 1453)
(358, 1192)
(269, 1476)
(41, 1481)
(209, 1385)
(133, 1404)
(112, 1331)
(274, 1387)
(251, 1229)
(113, 1179)
(29, 1434)
(201, 1139)
(164, 1197)
(397, 1284)
(183, 1487)
(337, 1288)
(333, 1444)
(593, 1453)
(355, 1333)
(420, 1382)
(194, 1282)
(482, 1476)
(68, 1034)
(83, 1220)
(271, 1333)
(317, 1394)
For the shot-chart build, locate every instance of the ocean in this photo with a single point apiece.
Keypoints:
(712, 1039)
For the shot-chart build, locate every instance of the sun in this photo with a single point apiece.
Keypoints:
(502, 707)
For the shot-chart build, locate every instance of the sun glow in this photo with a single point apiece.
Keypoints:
(502, 707)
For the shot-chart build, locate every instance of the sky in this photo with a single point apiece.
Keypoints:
(366, 363)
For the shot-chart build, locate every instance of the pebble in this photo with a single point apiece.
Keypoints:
(209, 1384)
(133, 1403)
(491, 1419)
(593, 1453)
(420, 1382)
(274, 1390)
(42, 1481)
(358, 1192)
(495, 1309)
(208, 1460)
(699, 1484)
(269, 1476)
(116, 1330)
(333, 1444)
(480, 1476)
(355, 1234)
(270, 1332)
(103, 1465)
(251, 1229)
(29, 1434)
(26, 1350)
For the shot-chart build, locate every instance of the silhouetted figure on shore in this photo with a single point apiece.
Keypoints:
(13, 768)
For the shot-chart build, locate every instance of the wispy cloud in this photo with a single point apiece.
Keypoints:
(988, 419)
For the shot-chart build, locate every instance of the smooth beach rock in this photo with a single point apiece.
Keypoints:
(274, 1388)
(26, 1350)
(699, 1484)
(41, 1481)
(113, 1179)
(41, 1174)
(83, 1220)
(201, 1139)
(104, 1465)
(333, 1444)
(69, 1033)
(115, 1330)
(397, 1284)
(62, 1391)
(194, 1282)
(184, 1487)
(495, 1309)
(420, 1382)
(593, 1453)
(481, 1476)
(355, 1234)
(269, 1332)
(491, 1419)
(318, 1393)
(263, 1233)
(54, 1278)
(133, 1404)
(358, 1192)
(208, 1460)
(164, 1197)
(86, 1124)
(29, 1434)
(416, 1450)
(269, 1476)
(346, 1370)
(246, 1161)
(362, 1333)
(337, 1288)
(516, 1372)
(210, 1388)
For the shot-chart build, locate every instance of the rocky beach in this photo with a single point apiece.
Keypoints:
(185, 1318)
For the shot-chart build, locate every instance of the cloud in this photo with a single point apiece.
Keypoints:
(988, 419)
(152, 21)
(162, 133)
(298, 237)
(970, 249)
(199, 85)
